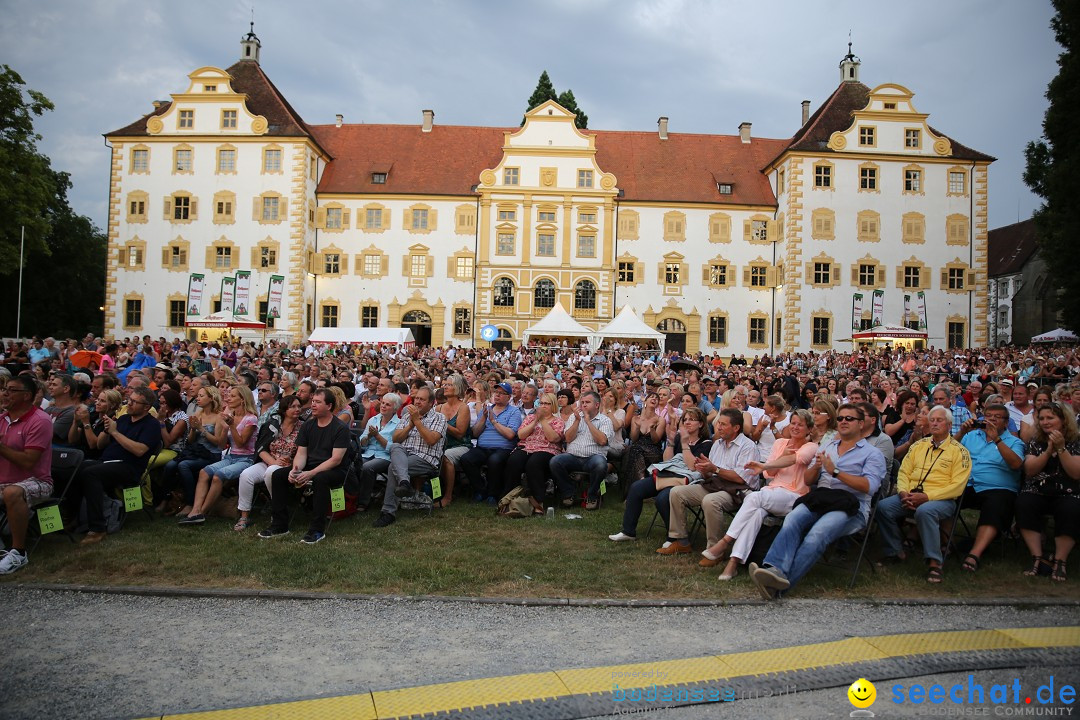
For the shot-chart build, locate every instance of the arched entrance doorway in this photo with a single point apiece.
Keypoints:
(675, 331)
(420, 323)
(504, 341)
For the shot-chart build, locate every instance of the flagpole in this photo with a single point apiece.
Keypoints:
(18, 312)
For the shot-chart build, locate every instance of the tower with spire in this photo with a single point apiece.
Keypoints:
(849, 66)
(250, 45)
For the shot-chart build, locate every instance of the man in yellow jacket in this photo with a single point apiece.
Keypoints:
(932, 479)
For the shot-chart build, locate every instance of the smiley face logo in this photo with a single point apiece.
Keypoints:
(862, 693)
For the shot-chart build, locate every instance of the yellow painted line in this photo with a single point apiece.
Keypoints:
(447, 697)
(537, 687)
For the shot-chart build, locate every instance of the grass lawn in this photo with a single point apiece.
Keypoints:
(466, 550)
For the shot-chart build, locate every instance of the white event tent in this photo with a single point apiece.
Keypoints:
(401, 337)
(1058, 335)
(558, 323)
(628, 326)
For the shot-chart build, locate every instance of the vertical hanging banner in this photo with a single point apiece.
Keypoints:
(879, 307)
(920, 308)
(907, 309)
(195, 295)
(242, 305)
(228, 295)
(856, 312)
(273, 297)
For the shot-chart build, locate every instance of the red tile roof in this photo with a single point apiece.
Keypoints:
(1010, 247)
(449, 160)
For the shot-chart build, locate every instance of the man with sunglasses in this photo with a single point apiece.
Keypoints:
(932, 476)
(25, 463)
(849, 463)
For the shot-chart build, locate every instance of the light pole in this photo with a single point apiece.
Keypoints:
(18, 311)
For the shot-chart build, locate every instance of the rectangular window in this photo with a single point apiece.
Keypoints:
(822, 273)
(270, 208)
(183, 161)
(584, 178)
(224, 209)
(757, 331)
(373, 265)
(626, 272)
(462, 321)
(226, 161)
(333, 218)
(545, 216)
(759, 230)
(177, 257)
(724, 188)
(823, 176)
(264, 310)
(228, 119)
(913, 181)
(133, 313)
(1003, 318)
(332, 264)
(867, 275)
(419, 219)
(181, 207)
(868, 178)
(866, 136)
(272, 161)
(378, 178)
(671, 273)
(463, 266)
(418, 265)
(177, 313)
(759, 276)
(956, 278)
(134, 257)
(267, 257)
(369, 316)
(508, 215)
(586, 246)
(140, 161)
(223, 258)
(504, 244)
(586, 217)
(373, 218)
(820, 331)
(912, 276)
(186, 120)
(778, 331)
(956, 335)
(717, 330)
(329, 315)
(718, 274)
(137, 208)
(545, 245)
(913, 138)
(957, 183)
(510, 176)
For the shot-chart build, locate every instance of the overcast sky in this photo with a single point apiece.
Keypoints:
(978, 67)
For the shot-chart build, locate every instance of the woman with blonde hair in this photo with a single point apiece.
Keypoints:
(342, 411)
(207, 437)
(541, 436)
(823, 429)
(107, 404)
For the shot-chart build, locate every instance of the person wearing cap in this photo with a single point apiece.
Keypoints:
(495, 431)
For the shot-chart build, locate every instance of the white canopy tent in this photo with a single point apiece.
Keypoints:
(401, 337)
(628, 326)
(225, 321)
(558, 323)
(1059, 335)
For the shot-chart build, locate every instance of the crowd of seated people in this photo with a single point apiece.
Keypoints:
(813, 441)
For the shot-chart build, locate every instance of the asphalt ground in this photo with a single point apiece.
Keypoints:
(96, 655)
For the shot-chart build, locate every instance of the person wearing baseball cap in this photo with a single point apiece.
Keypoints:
(495, 431)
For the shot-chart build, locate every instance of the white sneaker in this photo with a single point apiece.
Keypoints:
(620, 537)
(13, 560)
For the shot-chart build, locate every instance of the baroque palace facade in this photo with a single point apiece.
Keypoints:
(728, 243)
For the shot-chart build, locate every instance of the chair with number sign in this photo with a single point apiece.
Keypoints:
(65, 466)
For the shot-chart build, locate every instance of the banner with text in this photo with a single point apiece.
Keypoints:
(879, 307)
(907, 309)
(273, 297)
(242, 305)
(195, 295)
(920, 309)
(856, 312)
(228, 295)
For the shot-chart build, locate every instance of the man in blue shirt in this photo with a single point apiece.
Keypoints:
(849, 464)
(496, 436)
(996, 458)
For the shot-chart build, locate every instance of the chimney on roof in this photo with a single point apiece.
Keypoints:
(250, 45)
(339, 119)
(661, 125)
(429, 120)
(158, 103)
(805, 111)
(744, 132)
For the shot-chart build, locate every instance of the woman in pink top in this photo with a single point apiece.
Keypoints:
(541, 436)
(786, 470)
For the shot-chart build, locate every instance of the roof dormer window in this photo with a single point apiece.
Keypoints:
(378, 178)
(209, 88)
(724, 188)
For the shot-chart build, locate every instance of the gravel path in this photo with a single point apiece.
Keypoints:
(104, 656)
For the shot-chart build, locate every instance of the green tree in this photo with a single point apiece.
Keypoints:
(568, 101)
(544, 91)
(1053, 168)
(64, 266)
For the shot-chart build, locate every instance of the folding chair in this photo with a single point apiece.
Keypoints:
(65, 466)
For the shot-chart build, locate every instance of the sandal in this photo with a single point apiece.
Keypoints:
(934, 575)
(971, 563)
(1039, 566)
(1058, 574)
(242, 524)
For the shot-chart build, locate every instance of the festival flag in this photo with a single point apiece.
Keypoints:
(195, 295)
(856, 312)
(920, 308)
(273, 297)
(242, 306)
(228, 295)
(879, 307)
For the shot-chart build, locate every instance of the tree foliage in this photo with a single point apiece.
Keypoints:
(64, 270)
(545, 91)
(1053, 168)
